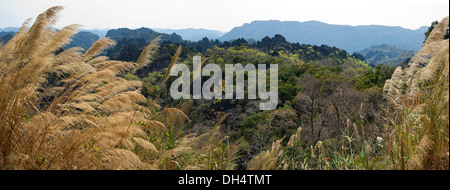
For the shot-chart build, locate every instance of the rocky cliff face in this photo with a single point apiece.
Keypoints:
(429, 62)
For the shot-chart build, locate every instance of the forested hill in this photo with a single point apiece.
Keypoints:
(144, 33)
(129, 49)
(131, 42)
(83, 39)
(320, 88)
(386, 54)
(350, 38)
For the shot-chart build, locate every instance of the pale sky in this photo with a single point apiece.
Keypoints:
(225, 14)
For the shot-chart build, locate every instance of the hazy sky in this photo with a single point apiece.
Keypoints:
(225, 14)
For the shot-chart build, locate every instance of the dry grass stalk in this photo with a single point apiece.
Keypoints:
(267, 160)
(295, 137)
(40, 142)
(418, 120)
(89, 117)
(355, 131)
(146, 54)
(98, 47)
(172, 63)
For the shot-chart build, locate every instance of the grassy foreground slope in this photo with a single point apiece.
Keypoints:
(73, 110)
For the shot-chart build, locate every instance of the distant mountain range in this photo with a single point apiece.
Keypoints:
(83, 39)
(192, 34)
(9, 29)
(99, 32)
(350, 38)
(386, 54)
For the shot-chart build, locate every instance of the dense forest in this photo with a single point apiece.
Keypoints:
(108, 106)
(320, 88)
